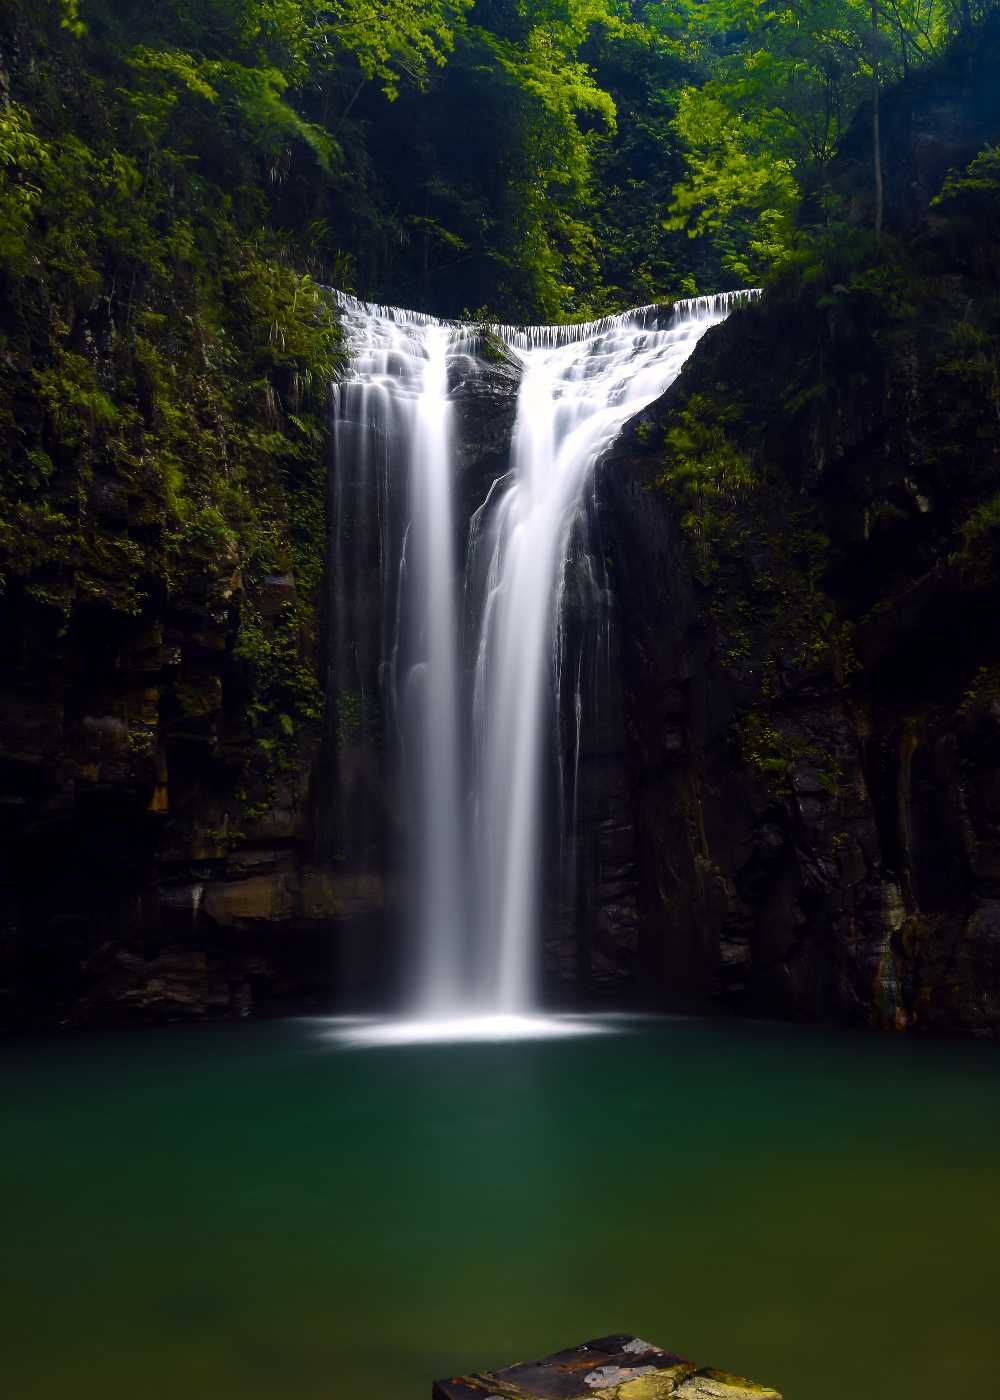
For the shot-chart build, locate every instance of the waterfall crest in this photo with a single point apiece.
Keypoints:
(473, 722)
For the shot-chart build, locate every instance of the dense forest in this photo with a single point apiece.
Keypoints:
(516, 160)
(179, 182)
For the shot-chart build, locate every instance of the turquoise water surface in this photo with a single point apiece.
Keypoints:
(255, 1210)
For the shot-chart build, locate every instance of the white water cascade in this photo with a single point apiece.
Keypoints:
(475, 725)
(398, 387)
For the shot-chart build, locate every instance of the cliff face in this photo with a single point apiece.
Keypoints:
(153, 862)
(164, 376)
(789, 768)
(805, 548)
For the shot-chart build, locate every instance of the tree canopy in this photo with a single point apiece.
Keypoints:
(530, 158)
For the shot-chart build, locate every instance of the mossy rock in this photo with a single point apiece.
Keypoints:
(720, 1385)
(618, 1367)
(488, 347)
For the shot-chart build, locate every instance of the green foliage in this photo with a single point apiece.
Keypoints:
(753, 543)
(23, 158)
(286, 692)
(984, 690)
(737, 188)
(549, 117)
(773, 752)
(390, 41)
(75, 404)
(251, 99)
(69, 12)
(967, 211)
(978, 184)
(768, 751)
(979, 539)
(165, 355)
(706, 476)
(535, 159)
(784, 82)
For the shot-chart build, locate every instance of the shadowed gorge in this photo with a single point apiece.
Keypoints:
(749, 788)
(499, 698)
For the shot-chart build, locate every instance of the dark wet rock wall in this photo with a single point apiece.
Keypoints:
(803, 539)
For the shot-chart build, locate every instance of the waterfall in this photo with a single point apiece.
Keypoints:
(398, 389)
(474, 726)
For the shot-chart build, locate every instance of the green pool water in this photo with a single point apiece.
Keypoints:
(250, 1211)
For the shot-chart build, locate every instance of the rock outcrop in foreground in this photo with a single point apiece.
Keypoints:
(610, 1368)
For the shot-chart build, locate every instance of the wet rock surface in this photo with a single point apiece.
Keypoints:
(812, 675)
(609, 1368)
(825, 847)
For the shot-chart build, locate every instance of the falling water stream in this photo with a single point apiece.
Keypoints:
(475, 731)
